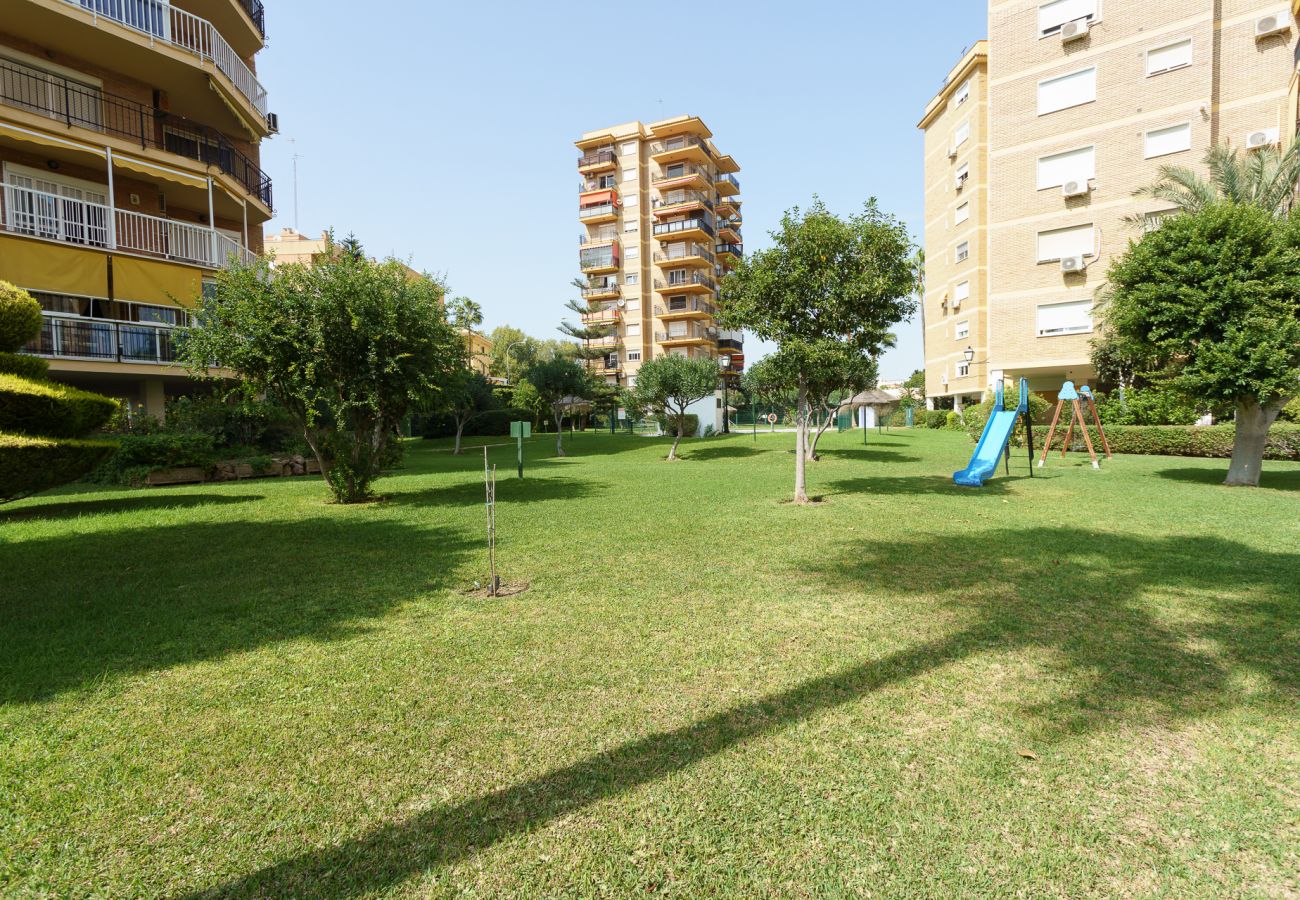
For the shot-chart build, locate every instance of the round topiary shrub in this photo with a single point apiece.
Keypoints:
(24, 366)
(20, 317)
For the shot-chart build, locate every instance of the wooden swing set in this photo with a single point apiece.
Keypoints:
(1076, 398)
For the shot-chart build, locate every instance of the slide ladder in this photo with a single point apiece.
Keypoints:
(995, 442)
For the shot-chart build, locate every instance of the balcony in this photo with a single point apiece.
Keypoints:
(257, 13)
(611, 342)
(674, 202)
(600, 183)
(601, 236)
(695, 228)
(730, 252)
(52, 217)
(730, 345)
(607, 290)
(689, 255)
(686, 309)
(686, 283)
(597, 161)
(680, 175)
(683, 148)
(79, 105)
(729, 231)
(609, 315)
(726, 185)
(80, 338)
(599, 259)
(686, 335)
(167, 24)
(727, 207)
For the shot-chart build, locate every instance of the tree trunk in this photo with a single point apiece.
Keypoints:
(460, 429)
(681, 425)
(821, 429)
(559, 434)
(1252, 423)
(320, 457)
(801, 445)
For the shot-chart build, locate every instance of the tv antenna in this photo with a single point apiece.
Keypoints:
(296, 157)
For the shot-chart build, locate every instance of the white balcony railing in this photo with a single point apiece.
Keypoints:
(53, 217)
(186, 31)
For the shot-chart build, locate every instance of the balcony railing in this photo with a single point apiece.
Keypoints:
(600, 184)
(687, 334)
(50, 216)
(597, 211)
(598, 258)
(684, 306)
(737, 249)
(606, 316)
(600, 290)
(693, 251)
(731, 344)
(86, 106)
(676, 172)
(729, 178)
(598, 158)
(604, 236)
(694, 278)
(186, 31)
(257, 13)
(68, 337)
(682, 198)
(680, 143)
(683, 225)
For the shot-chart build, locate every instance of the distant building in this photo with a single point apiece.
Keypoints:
(480, 351)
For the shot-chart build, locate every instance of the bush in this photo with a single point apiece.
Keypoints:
(29, 465)
(140, 454)
(20, 317)
(953, 421)
(934, 418)
(242, 422)
(493, 423)
(1291, 412)
(1147, 406)
(49, 409)
(24, 366)
(975, 417)
(691, 427)
(1213, 441)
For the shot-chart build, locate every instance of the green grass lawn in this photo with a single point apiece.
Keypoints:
(1086, 683)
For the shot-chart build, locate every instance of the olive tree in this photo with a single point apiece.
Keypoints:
(1209, 306)
(825, 280)
(558, 382)
(668, 385)
(349, 346)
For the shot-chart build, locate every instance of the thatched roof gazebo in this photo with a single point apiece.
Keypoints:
(882, 403)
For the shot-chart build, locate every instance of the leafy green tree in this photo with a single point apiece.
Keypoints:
(1264, 178)
(667, 385)
(825, 279)
(464, 313)
(558, 383)
(351, 247)
(43, 425)
(913, 390)
(468, 396)
(348, 346)
(524, 397)
(838, 373)
(1210, 305)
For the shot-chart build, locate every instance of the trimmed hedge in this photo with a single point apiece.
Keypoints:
(49, 409)
(29, 465)
(20, 317)
(24, 366)
(1213, 441)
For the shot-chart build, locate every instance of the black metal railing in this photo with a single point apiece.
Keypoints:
(694, 251)
(86, 106)
(729, 179)
(71, 338)
(682, 198)
(674, 172)
(669, 145)
(257, 13)
(683, 225)
(600, 157)
(730, 344)
(737, 249)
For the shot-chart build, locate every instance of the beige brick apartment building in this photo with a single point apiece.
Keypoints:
(1035, 146)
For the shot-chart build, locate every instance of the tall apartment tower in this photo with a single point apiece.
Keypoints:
(1086, 99)
(129, 157)
(660, 224)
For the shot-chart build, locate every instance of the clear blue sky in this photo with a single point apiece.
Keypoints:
(443, 132)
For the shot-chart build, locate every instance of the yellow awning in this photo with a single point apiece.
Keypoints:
(236, 107)
(57, 268)
(48, 140)
(163, 283)
(154, 170)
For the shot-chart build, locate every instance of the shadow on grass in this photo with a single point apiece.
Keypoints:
(921, 484)
(867, 454)
(510, 489)
(1079, 593)
(75, 610)
(1288, 480)
(689, 451)
(137, 503)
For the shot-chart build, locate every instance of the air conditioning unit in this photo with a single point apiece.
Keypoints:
(1072, 31)
(273, 123)
(1073, 264)
(1078, 188)
(944, 379)
(1271, 25)
(1265, 137)
(952, 152)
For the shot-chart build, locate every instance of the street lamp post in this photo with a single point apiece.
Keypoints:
(508, 346)
(724, 364)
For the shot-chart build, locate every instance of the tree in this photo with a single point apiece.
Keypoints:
(1209, 304)
(1265, 178)
(668, 385)
(351, 247)
(913, 390)
(825, 279)
(469, 396)
(837, 374)
(347, 345)
(595, 340)
(465, 314)
(558, 383)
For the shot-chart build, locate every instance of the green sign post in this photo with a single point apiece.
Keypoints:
(519, 431)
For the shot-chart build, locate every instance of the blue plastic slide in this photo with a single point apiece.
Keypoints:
(993, 442)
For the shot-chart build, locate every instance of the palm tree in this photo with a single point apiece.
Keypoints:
(465, 313)
(1266, 178)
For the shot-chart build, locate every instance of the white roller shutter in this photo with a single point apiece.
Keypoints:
(1051, 16)
(1069, 90)
(1065, 318)
(1174, 139)
(1062, 242)
(1072, 165)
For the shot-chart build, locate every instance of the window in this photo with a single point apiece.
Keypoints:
(963, 175)
(1074, 317)
(633, 329)
(962, 134)
(1163, 141)
(632, 199)
(960, 292)
(1072, 165)
(631, 251)
(628, 148)
(963, 330)
(633, 306)
(963, 251)
(1051, 16)
(1153, 220)
(1065, 91)
(962, 94)
(1169, 57)
(630, 224)
(631, 278)
(633, 356)
(1059, 243)
(50, 90)
(962, 213)
(963, 369)
(629, 174)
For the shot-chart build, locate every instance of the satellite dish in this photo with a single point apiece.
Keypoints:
(621, 302)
